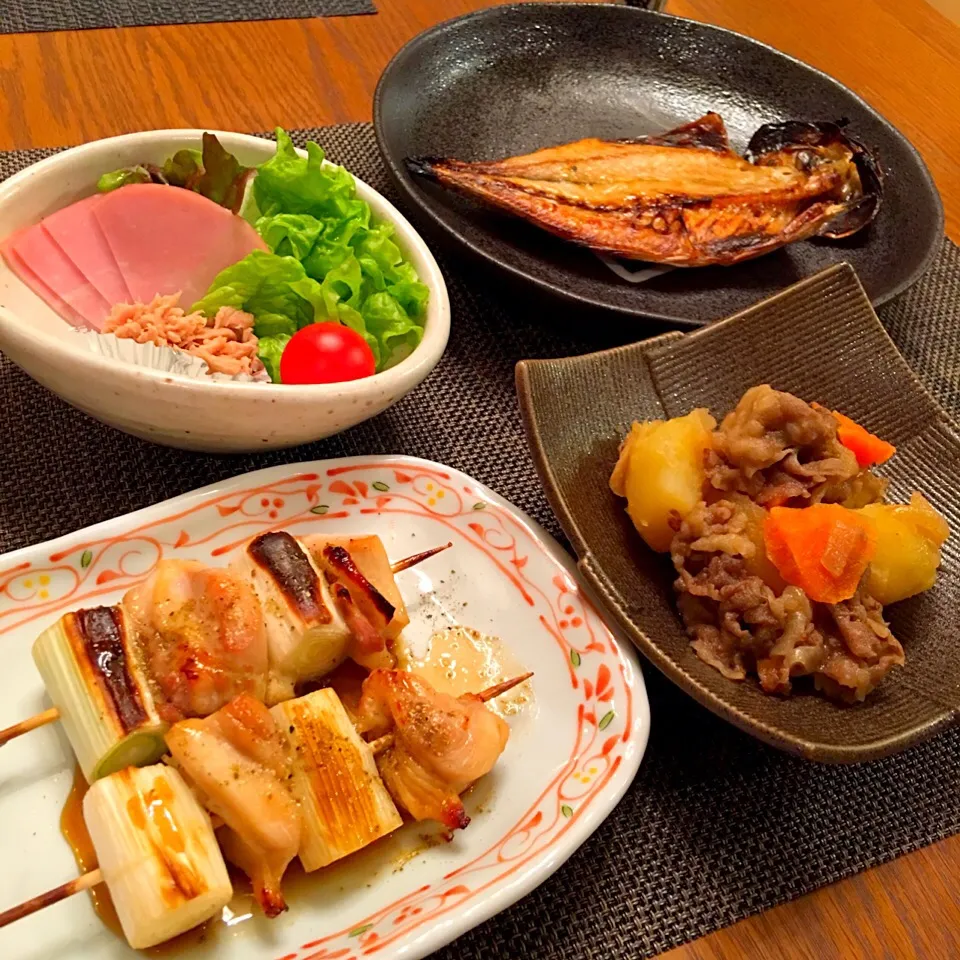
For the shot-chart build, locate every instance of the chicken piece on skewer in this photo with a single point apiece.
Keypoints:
(306, 633)
(366, 592)
(442, 744)
(368, 647)
(324, 600)
(240, 766)
(202, 636)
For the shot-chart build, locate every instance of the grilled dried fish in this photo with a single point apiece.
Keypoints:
(683, 197)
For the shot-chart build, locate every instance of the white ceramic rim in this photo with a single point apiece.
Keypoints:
(410, 370)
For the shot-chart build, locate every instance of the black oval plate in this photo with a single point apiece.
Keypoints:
(509, 80)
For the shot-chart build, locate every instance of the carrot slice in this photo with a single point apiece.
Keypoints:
(867, 447)
(823, 549)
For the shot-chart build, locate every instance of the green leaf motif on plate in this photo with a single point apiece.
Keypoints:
(575, 657)
(606, 719)
(380, 485)
(86, 558)
(566, 811)
(479, 506)
(358, 931)
(320, 508)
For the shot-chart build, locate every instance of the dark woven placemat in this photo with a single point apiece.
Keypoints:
(716, 825)
(37, 16)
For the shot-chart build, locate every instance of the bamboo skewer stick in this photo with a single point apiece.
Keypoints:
(31, 723)
(53, 714)
(55, 895)
(412, 561)
(498, 689)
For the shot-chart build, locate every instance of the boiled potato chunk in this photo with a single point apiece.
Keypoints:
(909, 537)
(661, 472)
(759, 565)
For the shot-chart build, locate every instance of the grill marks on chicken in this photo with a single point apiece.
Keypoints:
(684, 197)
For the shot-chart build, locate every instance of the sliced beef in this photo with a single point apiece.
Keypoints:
(740, 625)
(779, 450)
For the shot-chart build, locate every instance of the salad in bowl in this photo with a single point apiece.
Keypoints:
(211, 272)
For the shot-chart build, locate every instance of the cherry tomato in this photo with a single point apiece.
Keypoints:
(326, 353)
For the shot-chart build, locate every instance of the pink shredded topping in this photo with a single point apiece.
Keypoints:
(227, 342)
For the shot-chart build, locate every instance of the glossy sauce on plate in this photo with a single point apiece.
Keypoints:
(462, 660)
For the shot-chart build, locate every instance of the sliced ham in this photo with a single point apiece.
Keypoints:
(54, 302)
(77, 232)
(166, 239)
(35, 248)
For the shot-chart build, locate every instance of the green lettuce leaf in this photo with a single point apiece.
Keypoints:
(275, 289)
(120, 178)
(308, 210)
(269, 350)
(288, 183)
(396, 334)
(183, 169)
(212, 172)
(290, 234)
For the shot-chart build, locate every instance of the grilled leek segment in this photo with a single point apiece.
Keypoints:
(306, 635)
(342, 799)
(370, 581)
(157, 852)
(92, 670)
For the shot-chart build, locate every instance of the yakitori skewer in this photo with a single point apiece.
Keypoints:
(133, 858)
(68, 889)
(147, 728)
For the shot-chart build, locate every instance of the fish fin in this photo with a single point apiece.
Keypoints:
(706, 133)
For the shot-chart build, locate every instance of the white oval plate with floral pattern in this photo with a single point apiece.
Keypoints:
(572, 752)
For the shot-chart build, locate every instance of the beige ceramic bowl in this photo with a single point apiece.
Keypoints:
(168, 408)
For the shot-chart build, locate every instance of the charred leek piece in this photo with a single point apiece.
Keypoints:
(344, 803)
(93, 673)
(306, 634)
(157, 852)
(361, 564)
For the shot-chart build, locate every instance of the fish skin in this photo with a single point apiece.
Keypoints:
(682, 198)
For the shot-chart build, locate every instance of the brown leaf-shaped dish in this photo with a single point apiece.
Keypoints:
(821, 340)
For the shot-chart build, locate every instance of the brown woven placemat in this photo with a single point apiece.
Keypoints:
(37, 16)
(716, 825)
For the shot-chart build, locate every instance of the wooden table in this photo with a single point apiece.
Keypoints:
(903, 56)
